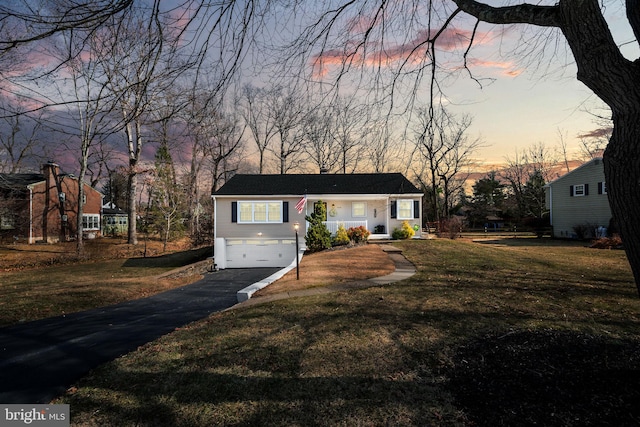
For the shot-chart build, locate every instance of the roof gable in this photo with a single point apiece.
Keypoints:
(19, 180)
(595, 163)
(299, 184)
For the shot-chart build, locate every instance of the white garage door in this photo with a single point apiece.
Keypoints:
(249, 253)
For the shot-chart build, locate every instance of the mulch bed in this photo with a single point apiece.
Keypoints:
(548, 378)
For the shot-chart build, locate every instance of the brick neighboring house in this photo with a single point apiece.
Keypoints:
(43, 207)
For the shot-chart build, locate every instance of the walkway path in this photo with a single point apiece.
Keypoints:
(404, 269)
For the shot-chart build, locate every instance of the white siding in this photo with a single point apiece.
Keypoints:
(569, 211)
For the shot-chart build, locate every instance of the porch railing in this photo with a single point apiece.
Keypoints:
(332, 226)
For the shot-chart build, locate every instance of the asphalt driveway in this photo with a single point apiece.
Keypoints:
(39, 360)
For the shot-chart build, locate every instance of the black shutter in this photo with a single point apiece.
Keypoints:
(234, 211)
(571, 190)
(586, 189)
(285, 211)
(416, 209)
(600, 188)
(393, 209)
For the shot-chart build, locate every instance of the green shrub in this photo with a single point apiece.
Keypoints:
(318, 237)
(404, 232)
(358, 234)
(341, 237)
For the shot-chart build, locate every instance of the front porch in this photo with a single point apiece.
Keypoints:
(377, 232)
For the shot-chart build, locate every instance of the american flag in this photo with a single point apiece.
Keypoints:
(301, 203)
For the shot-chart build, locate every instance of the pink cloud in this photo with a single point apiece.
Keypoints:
(412, 51)
(508, 68)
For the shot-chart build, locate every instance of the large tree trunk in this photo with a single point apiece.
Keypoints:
(132, 235)
(622, 174)
(613, 78)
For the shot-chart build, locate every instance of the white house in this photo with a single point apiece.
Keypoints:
(578, 202)
(255, 214)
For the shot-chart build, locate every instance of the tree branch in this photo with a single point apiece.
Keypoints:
(633, 15)
(543, 16)
(71, 16)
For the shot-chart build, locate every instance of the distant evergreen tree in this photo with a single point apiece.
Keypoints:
(534, 195)
(488, 199)
(168, 198)
(318, 236)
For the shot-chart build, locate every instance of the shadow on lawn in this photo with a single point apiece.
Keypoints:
(232, 399)
(177, 259)
(547, 377)
(520, 242)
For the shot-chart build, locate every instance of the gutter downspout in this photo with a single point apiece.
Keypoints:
(551, 208)
(30, 215)
(215, 218)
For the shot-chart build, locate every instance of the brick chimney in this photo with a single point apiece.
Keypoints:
(50, 171)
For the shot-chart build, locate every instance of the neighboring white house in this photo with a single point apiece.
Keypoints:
(115, 221)
(255, 214)
(578, 202)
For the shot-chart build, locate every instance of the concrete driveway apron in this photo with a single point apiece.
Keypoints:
(39, 360)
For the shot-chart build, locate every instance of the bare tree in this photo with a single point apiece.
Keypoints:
(286, 112)
(348, 132)
(20, 146)
(259, 121)
(137, 58)
(25, 22)
(383, 150)
(445, 151)
(90, 106)
(563, 149)
(29, 27)
(321, 147)
(516, 173)
(215, 137)
(536, 163)
(593, 144)
(140, 45)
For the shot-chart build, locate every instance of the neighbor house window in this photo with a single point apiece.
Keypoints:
(250, 212)
(7, 222)
(578, 190)
(602, 187)
(358, 209)
(91, 222)
(405, 209)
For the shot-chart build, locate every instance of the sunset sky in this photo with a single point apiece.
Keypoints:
(523, 99)
(519, 99)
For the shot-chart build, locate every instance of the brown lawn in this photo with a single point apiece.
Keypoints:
(334, 267)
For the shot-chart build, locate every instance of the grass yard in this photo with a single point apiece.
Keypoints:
(500, 333)
(38, 281)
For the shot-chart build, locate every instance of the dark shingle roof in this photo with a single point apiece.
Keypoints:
(298, 184)
(19, 180)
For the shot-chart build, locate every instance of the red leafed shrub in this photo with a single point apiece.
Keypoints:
(358, 234)
(613, 242)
